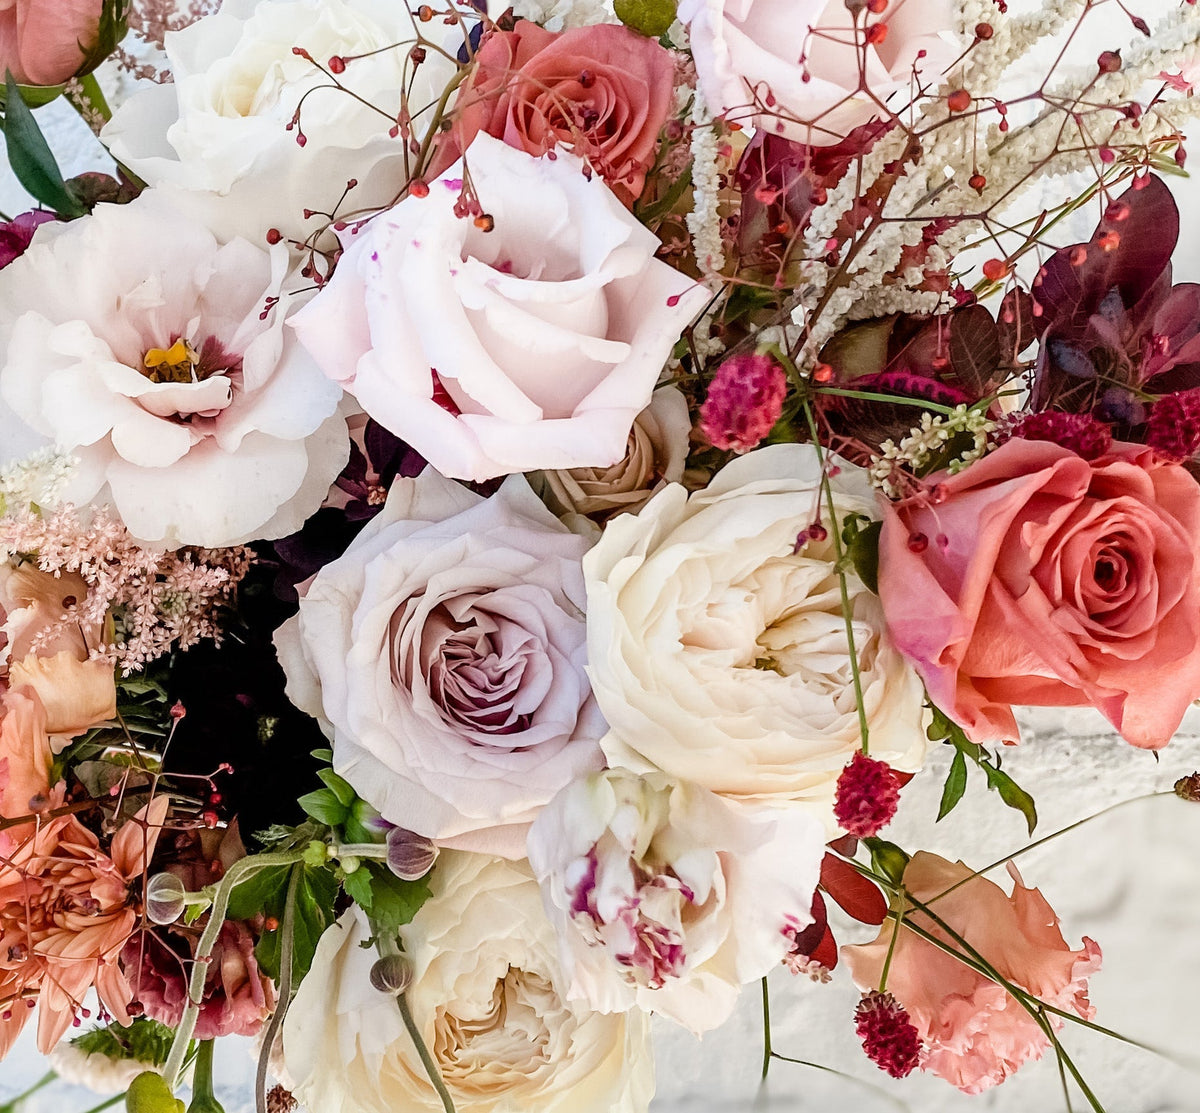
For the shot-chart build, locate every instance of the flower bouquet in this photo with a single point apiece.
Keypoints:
(498, 503)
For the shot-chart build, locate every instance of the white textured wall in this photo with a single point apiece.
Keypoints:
(1130, 880)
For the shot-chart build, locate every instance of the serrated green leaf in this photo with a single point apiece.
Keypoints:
(259, 892)
(358, 887)
(393, 902)
(339, 786)
(30, 156)
(193, 912)
(315, 897)
(324, 807)
(652, 18)
(956, 785)
(1012, 794)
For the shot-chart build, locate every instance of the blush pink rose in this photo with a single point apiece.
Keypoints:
(975, 1034)
(42, 41)
(603, 91)
(1049, 580)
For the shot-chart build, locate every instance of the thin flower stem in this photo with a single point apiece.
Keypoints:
(359, 850)
(847, 611)
(13, 1104)
(887, 962)
(431, 1068)
(7, 220)
(871, 396)
(108, 1103)
(879, 1092)
(766, 1011)
(284, 999)
(238, 873)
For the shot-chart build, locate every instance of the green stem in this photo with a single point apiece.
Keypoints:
(871, 396)
(766, 1011)
(431, 1068)
(284, 998)
(93, 97)
(896, 1102)
(847, 611)
(203, 1097)
(887, 962)
(12, 1105)
(238, 872)
(108, 1103)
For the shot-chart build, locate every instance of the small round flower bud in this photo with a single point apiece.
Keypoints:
(164, 898)
(410, 856)
(392, 974)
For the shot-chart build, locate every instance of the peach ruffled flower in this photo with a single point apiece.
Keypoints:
(975, 1033)
(66, 910)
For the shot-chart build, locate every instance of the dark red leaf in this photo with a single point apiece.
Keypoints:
(855, 895)
(975, 349)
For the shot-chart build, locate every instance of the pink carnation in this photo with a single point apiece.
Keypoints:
(744, 401)
(975, 1033)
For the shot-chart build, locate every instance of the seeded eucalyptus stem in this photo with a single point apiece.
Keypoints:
(839, 551)
(237, 873)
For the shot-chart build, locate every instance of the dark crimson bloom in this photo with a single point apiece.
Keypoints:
(888, 1036)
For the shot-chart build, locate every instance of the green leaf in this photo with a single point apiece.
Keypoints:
(324, 807)
(956, 785)
(143, 1040)
(1012, 794)
(30, 156)
(35, 95)
(358, 887)
(260, 891)
(652, 18)
(112, 28)
(325, 755)
(887, 859)
(393, 902)
(338, 786)
(315, 897)
(357, 827)
(862, 547)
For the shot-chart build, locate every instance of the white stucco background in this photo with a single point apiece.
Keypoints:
(1130, 880)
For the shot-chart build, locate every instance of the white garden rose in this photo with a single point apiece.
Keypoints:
(445, 653)
(666, 897)
(487, 995)
(155, 355)
(719, 655)
(532, 341)
(221, 126)
(797, 67)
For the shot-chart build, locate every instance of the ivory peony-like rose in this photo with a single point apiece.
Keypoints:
(667, 898)
(602, 91)
(49, 650)
(488, 997)
(43, 42)
(798, 68)
(1061, 581)
(156, 356)
(656, 454)
(532, 345)
(221, 126)
(444, 653)
(719, 655)
(975, 1033)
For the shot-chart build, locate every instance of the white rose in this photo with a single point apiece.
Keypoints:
(446, 651)
(533, 345)
(801, 59)
(720, 657)
(221, 126)
(666, 897)
(156, 356)
(487, 997)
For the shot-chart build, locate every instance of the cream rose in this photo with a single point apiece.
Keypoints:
(155, 354)
(445, 652)
(532, 345)
(666, 897)
(719, 656)
(655, 456)
(488, 997)
(749, 60)
(220, 127)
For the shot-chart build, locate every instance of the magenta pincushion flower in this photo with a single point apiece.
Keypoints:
(1174, 427)
(744, 401)
(868, 793)
(888, 1037)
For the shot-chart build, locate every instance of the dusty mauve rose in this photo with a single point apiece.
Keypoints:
(489, 998)
(602, 91)
(975, 1033)
(444, 653)
(43, 41)
(48, 649)
(532, 345)
(657, 452)
(751, 49)
(1050, 580)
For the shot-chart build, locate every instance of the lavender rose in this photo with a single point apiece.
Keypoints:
(444, 653)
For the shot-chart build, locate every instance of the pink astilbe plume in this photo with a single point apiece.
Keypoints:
(158, 600)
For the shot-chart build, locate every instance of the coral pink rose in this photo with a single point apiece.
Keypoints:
(603, 91)
(1046, 579)
(975, 1033)
(43, 41)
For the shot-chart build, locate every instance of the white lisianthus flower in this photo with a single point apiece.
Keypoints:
(155, 354)
(487, 995)
(719, 655)
(667, 898)
(445, 653)
(533, 344)
(221, 126)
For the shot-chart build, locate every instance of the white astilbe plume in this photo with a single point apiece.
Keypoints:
(37, 480)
